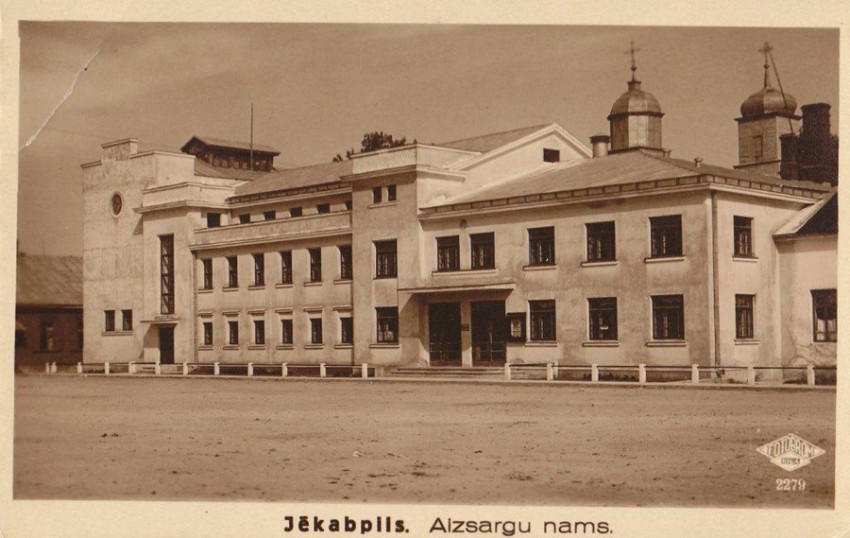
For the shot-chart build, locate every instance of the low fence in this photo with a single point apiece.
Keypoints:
(363, 371)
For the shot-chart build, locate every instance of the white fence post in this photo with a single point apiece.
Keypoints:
(53, 368)
(364, 370)
(594, 373)
(549, 373)
(322, 370)
(284, 370)
(507, 371)
(106, 368)
(185, 368)
(157, 368)
(694, 373)
(556, 370)
(810, 374)
(642, 373)
(131, 368)
(216, 369)
(79, 368)
(250, 369)
(46, 367)
(751, 375)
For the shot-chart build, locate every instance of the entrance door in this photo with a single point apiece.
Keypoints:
(166, 345)
(488, 333)
(444, 333)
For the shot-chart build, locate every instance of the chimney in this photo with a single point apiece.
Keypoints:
(599, 143)
(816, 120)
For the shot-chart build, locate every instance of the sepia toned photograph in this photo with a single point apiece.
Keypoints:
(427, 264)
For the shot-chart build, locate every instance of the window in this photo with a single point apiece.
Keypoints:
(208, 333)
(666, 236)
(541, 246)
(603, 318)
(743, 316)
(208, 274)
(259, 270)
(286, 267)
(551, 155)
(315, 265)
(376, 195)
(542, 320)
(286, 331)
(316, 330)
(448, 253)
(213, 220)
(391, 194)
(270, 215)
(233, 333)
(166, 272)
(345, 272)
(601, 242)
(109, 320)
(47, 341)
(385, 259)
(244, 218)
(483, 250)
(824, 308)
(232, 272)
(758, 146)
(348, 205)
(323, 208)
(259, 332)
(744, 237)
(126, 320)
(295, 212)
(346, 330)
(387, 324)
(668, 317)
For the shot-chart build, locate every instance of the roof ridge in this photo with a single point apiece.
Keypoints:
(496, 133)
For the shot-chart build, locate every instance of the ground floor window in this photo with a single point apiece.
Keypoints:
(387, 324)
(259, 332)
(109, 320)
(346, 330)
(233, 333)
(47, 339)
(316, 330)
(286, 331)
(126, 320)
(542, 320)
(744, 316)
(825, 311)
(668, 317)
(208, 333)
(603, 318)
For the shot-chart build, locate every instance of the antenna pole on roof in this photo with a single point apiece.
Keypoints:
(252, 137)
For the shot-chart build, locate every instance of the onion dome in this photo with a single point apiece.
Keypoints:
(766, 101)
(635, 101)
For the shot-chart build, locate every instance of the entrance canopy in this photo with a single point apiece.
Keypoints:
(454, 287)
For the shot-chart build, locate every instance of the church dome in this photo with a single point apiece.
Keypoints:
(768, 100)
(635, 101)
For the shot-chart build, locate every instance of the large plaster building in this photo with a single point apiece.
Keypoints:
(521, 246)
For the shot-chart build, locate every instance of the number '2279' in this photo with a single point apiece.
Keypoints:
(790, 484)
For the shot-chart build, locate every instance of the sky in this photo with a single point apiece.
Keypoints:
(316, 88)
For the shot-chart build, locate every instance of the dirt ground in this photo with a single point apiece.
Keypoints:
(311, 440)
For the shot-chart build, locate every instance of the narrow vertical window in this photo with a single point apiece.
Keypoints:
(286, 331)
(758, 146)
(315, 265)
(743, 316)
(208, 333)
(259, 332)
(743, 237)
(316, 330)
(601, 243)
(166, 272)
(259, 269)
(391, 193)
(666, 236)
(232, 272)
(208, 273)
(345, 272)
(385, 259)
(233, 333)
(541, 246)
(603, 318)
(483, 250)
(825, 312)
(346, 331)
(668, 317)
(126, 320)
(448, 253)
(47, 340)
(387, 324)
(109, 320)
(542, 320)
(376, 195)
(286, 267)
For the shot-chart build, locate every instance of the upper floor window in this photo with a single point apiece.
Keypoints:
(825, 312)
(286, 331)
(666, 236)
(208, 333)
(270, 215)
(315, 330)
(259, 270)
(391, 194)
(668, 317)
(385, 258)
(259, 332)
(166, 273)
(483, 249)
(126, 320)
(743, 237)
(377, 197)
(345, 270)
(286, 267)
(541, 246)
(108, 320)
(295, 212)
(315, 264)
(213, 220)
(758, 146)
(323, 208)
(601, 242)
(233, 333)
(448, 253)
(346, 331)
(232, 272)
(244, 218)
(551, 155)
(208, 273)
(542, 320)
(603, 318)
(387, 324)
(744, 316)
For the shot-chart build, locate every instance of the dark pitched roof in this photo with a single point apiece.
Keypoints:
(817, 219)
(49, 281)
(489, 142)
(295, 178)
(222, 143)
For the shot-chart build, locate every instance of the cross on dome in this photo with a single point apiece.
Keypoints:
(632, 50)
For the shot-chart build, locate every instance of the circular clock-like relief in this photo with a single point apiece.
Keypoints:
(116, 204)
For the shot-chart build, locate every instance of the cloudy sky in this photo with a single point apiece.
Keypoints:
(317, 88)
